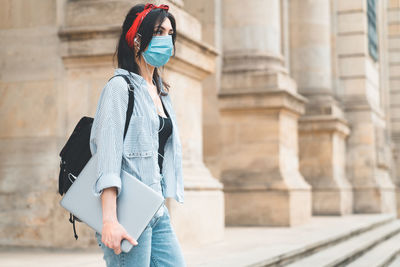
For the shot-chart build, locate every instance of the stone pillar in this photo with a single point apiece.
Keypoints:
(208, 12)
(30, 123)
(323, 129)
(393, 75)
(259, 107)
(360, 89)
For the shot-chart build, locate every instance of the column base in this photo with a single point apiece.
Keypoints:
(332, 201)
(375, 200)
(322, 162)
(375, 193)
(200, 219)
(398, 201)
(267, 207)
(259, 166)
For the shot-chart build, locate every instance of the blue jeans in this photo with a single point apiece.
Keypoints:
(157, 246)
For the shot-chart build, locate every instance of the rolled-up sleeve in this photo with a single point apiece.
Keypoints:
(107, 134)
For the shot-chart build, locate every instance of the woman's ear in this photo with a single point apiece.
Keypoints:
(137, 44)
(137, 40)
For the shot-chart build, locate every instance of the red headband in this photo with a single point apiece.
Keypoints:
(130, 35)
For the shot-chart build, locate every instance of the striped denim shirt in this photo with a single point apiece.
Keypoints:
(138, 153)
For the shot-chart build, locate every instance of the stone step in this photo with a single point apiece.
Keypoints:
(395, 262)
(293, 255)
(347, 251)
(278, 246)
(381, 255)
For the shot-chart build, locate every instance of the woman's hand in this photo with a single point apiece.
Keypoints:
(113, 233)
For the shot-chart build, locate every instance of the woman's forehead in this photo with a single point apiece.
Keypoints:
(166, 24)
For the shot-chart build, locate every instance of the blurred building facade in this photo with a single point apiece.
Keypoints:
(287, 109)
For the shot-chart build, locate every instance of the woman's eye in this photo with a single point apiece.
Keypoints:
(160, 33)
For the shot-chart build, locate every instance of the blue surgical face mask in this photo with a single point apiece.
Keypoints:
(159, 50)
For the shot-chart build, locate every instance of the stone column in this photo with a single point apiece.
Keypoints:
(30, 124)
(259, 107)
(360, 89)
(323, 128)
(209, 14)
(88, 45)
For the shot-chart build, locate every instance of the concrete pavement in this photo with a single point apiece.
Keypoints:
(242, 246)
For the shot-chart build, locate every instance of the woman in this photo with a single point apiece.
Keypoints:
(151, 150)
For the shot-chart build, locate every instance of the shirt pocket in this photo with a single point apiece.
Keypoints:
(138, 149)
(138, 141)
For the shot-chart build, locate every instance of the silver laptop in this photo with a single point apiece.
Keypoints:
(136, 204)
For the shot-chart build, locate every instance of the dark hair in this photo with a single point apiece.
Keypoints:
(126, 55)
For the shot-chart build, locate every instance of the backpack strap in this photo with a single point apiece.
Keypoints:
(131, 103)
(72, 220)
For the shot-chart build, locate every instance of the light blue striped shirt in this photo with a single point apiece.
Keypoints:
(138, 154)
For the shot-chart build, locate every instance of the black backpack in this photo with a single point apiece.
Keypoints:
(76, 152)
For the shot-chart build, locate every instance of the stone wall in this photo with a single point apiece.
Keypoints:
(393, 103)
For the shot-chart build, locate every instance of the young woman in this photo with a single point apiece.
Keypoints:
(151, 150)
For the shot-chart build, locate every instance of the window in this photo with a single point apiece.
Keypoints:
(372, 34)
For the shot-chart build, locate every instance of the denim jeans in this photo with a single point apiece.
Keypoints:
(157, 246)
